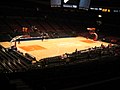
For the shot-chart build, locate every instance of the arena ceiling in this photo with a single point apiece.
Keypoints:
(98, 3)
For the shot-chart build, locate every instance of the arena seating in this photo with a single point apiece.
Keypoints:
(13, 61)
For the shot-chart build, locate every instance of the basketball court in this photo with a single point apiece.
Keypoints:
(54, 47)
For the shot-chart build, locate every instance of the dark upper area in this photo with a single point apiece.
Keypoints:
(101, 3)
(41, 8)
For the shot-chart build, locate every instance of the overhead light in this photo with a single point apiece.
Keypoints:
(92, 8)
(115, 10)
(100, 9)
(99, 15)
(108, 10)
(96, 8)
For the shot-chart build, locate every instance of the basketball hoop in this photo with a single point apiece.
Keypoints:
(15, 39)
(96, 36)
(92, 32)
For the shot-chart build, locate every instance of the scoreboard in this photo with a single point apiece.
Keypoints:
(79, 4)
(84, 4)
(70, 3)
(55, 3)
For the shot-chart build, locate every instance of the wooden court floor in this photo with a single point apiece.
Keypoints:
(54, 47)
